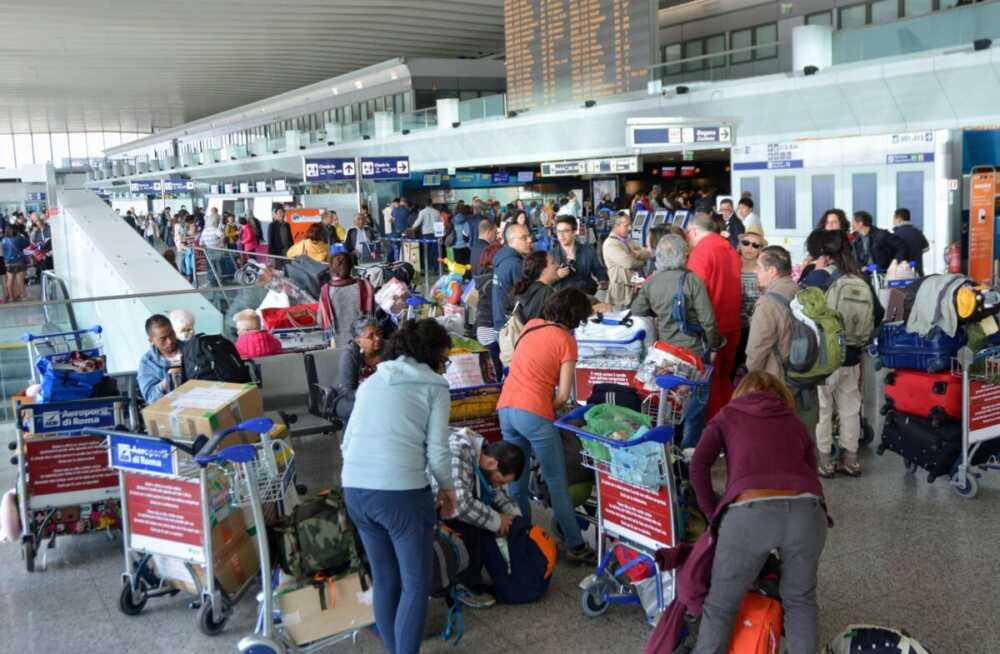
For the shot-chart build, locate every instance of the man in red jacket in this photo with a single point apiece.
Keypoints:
(717, 265)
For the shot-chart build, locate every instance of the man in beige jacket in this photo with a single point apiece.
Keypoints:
(621, 258)
(770, 336)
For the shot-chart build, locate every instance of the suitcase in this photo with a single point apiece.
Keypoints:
(757, 629)
(936, 396)
(898, 348)
(922, 444)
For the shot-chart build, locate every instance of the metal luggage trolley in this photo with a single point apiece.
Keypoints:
(63, 484)
(980, 373)
(166, 512)
(261, 474)
(637, 504)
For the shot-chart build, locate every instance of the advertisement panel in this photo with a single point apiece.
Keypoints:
(981, 224)
(300, 220)
(639, 514)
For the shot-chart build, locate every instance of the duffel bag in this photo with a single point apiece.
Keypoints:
(64, 383)
(522, 573)
(317, 538)
(871, 639)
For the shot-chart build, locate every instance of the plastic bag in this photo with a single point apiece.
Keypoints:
(616, 422)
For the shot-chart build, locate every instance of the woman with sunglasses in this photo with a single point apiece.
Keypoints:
(751, 242)
(397, 435)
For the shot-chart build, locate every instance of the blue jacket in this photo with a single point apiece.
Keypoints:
(400, 220)
(463, 233)
(587, 269)
(152, 370)
(393, 450)
(13, 249)
(506, 271)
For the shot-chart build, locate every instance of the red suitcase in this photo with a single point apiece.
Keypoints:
(924, 394)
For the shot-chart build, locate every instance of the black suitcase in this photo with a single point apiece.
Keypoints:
(934, 448)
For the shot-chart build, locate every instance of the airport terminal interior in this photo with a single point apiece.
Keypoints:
(661, 326)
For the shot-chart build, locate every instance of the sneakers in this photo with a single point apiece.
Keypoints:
(582, 554)
(825, 466)
(849, 464)
(473, 600)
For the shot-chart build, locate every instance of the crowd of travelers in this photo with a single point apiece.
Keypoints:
(26, 242)
(532, 263)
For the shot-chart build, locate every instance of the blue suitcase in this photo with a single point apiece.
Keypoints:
(898, 348)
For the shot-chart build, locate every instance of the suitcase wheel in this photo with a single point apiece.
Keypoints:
(890, 378)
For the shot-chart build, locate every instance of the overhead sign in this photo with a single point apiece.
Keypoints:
(244, 187)
(262, 187)
(157, 186)
(328, 170)
(645, 132)
(878, 150)
(607, 165)
(381, 168)
(36, 197)
(501, 177)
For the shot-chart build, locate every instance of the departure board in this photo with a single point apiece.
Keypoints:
(563, 50)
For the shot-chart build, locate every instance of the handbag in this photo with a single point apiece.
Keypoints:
(509, 335)
(298, 316)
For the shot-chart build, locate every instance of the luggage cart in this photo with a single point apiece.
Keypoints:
(63, 486)
(261, 474)
(980, 373)
(166, 511)
(637, 504)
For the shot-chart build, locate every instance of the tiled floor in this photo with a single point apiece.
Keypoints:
(903, 553)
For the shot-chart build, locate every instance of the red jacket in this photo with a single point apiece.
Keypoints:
(257, 344)
(717, 265)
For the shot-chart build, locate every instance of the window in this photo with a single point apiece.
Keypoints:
(716, 44)
(820, 18)
(95, 144)
(43, 149)
(884, 11)
(6, 151)
(823, 194)
(917, 7)
(705, 46)
(910, 195)
(751, 185)
(753, 36)
(784, 202)
(670, 53)
(22, 150)
(112, 139)
(864, 188)
(60, 148)
(78, 145)
(694, 49)
(853, 17)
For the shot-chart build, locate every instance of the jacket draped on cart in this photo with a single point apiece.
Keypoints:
(766, 447)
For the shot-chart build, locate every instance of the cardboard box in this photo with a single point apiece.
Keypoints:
(234, 555)
(347, 608)
(202, 408)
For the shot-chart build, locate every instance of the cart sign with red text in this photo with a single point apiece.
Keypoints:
(638, 514)
(587, 378)
(984, 411)
(164, 516)
(68, 470)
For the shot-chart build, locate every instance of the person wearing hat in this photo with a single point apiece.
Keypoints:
(750, 243)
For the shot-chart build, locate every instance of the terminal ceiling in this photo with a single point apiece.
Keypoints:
(137, 65)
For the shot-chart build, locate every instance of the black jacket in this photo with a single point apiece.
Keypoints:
(735, 229)
(477, 249)
(532, 301)
(279, 238)
(883, 247)
(915, 242)
(587, 270)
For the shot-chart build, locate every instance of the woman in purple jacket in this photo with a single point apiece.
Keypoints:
(773, 500)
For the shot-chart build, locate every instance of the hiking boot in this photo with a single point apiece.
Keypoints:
(825, 465)
(849, 464)
(473, 600)
(582, 554)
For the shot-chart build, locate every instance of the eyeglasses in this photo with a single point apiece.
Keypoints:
(446, 363)
(752, 244)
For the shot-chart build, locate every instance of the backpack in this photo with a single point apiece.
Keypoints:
(308, 274)
(678, 311)
(214, 358)
(851, 297)
(450, 559)
(873, 640)
(817, 347)
(616, 394)
(317, 538)
(523, 572)
(757, 629)
(512, 332)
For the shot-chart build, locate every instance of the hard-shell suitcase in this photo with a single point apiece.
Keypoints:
(898, 348)
(936, 396)
(922, 444)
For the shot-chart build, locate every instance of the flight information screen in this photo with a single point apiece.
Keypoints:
(563, 50)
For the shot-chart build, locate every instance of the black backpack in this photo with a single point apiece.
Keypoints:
(213, 358)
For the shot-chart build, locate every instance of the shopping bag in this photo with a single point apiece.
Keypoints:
(294, 317)
(411, 254)
(274, 299)
(60, 384)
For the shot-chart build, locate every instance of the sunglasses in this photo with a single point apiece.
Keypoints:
(754, 245)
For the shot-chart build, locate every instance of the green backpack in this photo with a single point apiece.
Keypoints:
(317, 539)
(818, 345)
(852, 298)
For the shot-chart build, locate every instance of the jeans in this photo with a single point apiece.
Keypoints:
(841, 392)
(533, 433)
(694, 417)
(397, 531)
(748, 533)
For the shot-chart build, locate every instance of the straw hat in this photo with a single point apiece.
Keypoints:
(757, 231)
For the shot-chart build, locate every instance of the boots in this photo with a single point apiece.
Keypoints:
(825, 466)
(849, 464)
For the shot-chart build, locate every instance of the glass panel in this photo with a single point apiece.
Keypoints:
(78, 145)
(784, 202)
(885, 11)
(738, 40)
(823, 194)
(112, 139)
(675, 52)
(822, 18)
(853, 17)
(95, 144)
(764, 34)
(694, 49)
(751, 186)
(910, 195)
(864, 188)
(6, 151)
(716, 44)
(22, 150)
(43, 150)
(917, 7)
